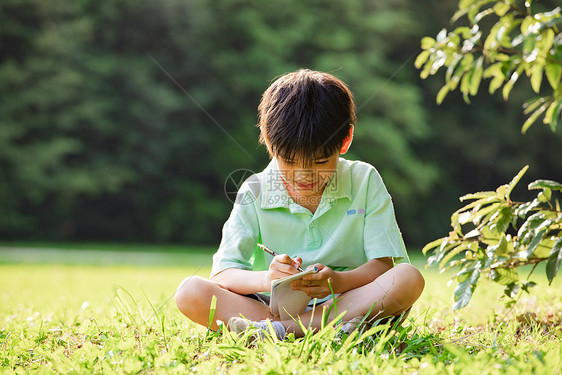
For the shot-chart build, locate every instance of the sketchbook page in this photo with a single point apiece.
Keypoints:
(286, 302)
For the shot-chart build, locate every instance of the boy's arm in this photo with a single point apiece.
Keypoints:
(316, 285)
(247, 282)
(242, 281)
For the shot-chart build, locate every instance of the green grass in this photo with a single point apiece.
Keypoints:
(105, 254)
(78, 318)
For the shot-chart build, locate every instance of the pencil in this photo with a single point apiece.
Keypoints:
(273, 253)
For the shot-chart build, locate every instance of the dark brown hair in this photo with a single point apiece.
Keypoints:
(306, 115)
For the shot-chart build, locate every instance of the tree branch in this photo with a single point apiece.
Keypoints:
(517, 264)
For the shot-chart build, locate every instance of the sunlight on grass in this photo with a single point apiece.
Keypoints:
(84, 319)
(105, 254)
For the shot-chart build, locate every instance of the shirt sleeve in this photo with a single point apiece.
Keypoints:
(240, 234)
(382, 237)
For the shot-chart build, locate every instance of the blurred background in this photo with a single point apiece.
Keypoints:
(120, 120)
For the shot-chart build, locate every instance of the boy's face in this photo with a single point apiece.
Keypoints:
(310, 179)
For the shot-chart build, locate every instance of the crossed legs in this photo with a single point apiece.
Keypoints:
(392, 293)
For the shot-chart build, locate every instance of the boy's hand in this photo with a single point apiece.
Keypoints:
(283, 266)
(316, 285)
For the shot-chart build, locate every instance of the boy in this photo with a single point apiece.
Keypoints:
(334, 213)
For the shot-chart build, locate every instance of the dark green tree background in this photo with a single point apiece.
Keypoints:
(121, 120)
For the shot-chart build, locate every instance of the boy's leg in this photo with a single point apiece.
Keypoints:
(392, 293)
(194, 296)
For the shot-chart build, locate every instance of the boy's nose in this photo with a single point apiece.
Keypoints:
(307, 174)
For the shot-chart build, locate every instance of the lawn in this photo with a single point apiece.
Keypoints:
(68, 317)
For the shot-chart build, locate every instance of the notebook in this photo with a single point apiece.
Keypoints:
(286, 302)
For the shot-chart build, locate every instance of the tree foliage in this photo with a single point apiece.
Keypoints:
(493, 235)
(121, 120)
(504, 39)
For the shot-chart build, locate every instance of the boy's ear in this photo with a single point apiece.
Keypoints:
(347, 141)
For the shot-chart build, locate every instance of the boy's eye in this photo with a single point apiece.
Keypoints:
(290, 162)
(321, 161)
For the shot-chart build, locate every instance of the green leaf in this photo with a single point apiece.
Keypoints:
(473, 234)
(529, 227)
(544, 248)
(531, 120)
(466, 63)
(483, 14)
(446, 246)
(545, 43)
(502, 220)
(500, 192)
(536, 78)
(504, 276)
(532, 104)
(545, 195)
(464, 31)
(509, 85)
(427, 68)
(478, 195)
(466, 216)
(441, 94)
(525, 208)
(502, 57)
(553, 71)
(553, 109)
(465, 84)
(490, 237)
(496, 34)
(483, 212)
(499, 250)
(459, 13)
(511, 290)
(432, 260)
(494, 70)
(545, 184)
(453, 252)
(451, 68)
(501, 8)
(555, 118)
(433, 244)
(464, 290)
(476, 77)
(534, 243)
(528, 284)
(495, 84)
(427, 42)
(554, 259)
(475, 7)
(514, 181)
(421, 59)
(529, 26)
(441, 35)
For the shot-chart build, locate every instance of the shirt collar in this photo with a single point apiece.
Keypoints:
(275, 195)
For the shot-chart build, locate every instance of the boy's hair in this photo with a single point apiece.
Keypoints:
(306, 115)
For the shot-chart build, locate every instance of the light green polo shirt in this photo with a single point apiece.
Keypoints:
(353, 223)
